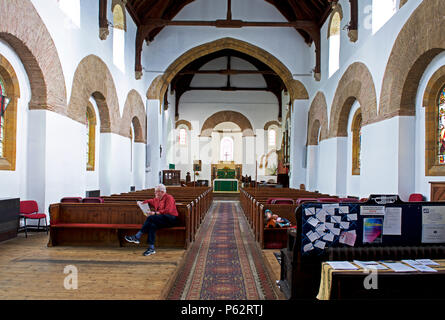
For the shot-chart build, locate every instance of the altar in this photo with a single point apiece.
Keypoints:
(225, 185)
(225, 176)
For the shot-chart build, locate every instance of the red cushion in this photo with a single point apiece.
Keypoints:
(92, 200)
(71, 199)
(328, 200)
(301, 200)
(97, 225)
(273, 245)
(280, 201)
(415, 197)
(34, 216)
(348, 200)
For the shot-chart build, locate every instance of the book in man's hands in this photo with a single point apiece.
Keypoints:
(145, 208)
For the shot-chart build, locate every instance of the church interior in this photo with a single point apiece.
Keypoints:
(303, 143)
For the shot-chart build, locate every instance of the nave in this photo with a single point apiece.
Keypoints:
(223, 263)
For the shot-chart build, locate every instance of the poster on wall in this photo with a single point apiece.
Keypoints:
(433, 224)
(372, 230)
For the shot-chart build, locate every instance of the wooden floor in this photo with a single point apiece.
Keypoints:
(31, 270)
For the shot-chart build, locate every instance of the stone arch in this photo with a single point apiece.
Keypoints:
(355, 84)
(160, 84)
(93, 78)
(185, 123)
(420, 40)
(30, 39)
(134, 112)
(227, 116)
(271, 123)
(317, 119)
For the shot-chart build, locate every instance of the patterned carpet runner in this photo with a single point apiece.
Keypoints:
(224, 262)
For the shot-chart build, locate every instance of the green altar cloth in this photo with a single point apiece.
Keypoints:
(225, 185)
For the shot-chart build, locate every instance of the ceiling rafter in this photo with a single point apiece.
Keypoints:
(151, 16)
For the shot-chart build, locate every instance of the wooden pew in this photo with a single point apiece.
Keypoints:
(274, 238)
(106, 224)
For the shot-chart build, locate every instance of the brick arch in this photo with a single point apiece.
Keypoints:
(185, 123)
(420, 40)
(92, 78)
(355, 84)
(30, 39)
(227, 116)
(134, 112)
(317, 119)
(160, 84)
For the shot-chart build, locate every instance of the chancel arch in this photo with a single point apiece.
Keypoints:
(160, 84)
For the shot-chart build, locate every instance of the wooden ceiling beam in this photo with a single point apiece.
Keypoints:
(299, 24)
(228, 71)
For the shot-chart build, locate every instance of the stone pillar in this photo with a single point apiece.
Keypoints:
(249, 156)
(298, 138)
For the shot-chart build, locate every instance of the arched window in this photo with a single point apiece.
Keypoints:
(182, 137)
(9, 94)
(272, 138)
(119, 37)
(382, 11)
(4, 101)
(91, 137)
(440, 136)
(356, 129)
(334, 43)
(226, 153)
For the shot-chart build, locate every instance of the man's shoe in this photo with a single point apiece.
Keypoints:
(132, 239)
(149, 251)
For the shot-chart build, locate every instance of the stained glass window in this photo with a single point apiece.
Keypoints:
(441, 127)
(3, 104)
(90, 138)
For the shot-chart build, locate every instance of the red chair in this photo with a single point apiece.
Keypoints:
(92, 200)
(415, 197)
(29, 210)
(71, 199)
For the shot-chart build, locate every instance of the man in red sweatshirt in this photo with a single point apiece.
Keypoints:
(163, 215)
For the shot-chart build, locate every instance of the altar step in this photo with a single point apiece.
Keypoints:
(225, 196)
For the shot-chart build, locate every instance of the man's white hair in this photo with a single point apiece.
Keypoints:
(161, 187)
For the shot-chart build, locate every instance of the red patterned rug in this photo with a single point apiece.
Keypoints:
(224, 262)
